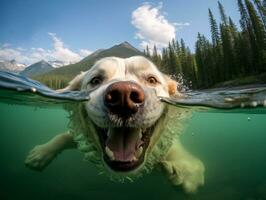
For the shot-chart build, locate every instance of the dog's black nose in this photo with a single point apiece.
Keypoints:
(124, 98)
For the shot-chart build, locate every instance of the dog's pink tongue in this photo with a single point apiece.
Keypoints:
(123, 142)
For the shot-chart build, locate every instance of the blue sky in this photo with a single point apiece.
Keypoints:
(88, 25)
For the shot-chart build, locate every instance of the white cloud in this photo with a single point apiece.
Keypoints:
(32, 55)
(62, 53)
(152, 26)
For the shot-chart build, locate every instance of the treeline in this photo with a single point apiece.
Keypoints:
(53, 81)
(231, 53)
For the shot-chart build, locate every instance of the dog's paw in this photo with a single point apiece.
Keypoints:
(188, 172)
(39, 157)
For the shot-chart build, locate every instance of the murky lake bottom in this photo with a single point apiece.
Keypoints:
(231, 144)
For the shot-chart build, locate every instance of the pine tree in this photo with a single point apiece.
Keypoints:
(148, 54)
(156, 58)
(165, 61)
(183, 55)
(260, 37)
(199, 59)
(262, 11)
(144, 52)
(216, 41)
(247, 40)
(227, 51)
(177, 46)
(204, 64)
(214, 29)
(173, 67)
(190, 69)
(244, 21)
(234, 36)
(224, 18)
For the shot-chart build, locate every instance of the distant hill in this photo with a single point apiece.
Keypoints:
(37, 69)
(11, 66)
(59, 77)
(122, 50)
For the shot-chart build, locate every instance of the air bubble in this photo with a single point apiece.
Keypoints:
(254, 103)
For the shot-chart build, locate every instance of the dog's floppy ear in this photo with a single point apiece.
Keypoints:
(172, 86)
(75, 84)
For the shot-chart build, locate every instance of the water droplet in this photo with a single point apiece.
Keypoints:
(33, 89)
(228, 99)
(249, 118)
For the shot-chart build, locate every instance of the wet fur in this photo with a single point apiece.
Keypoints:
(164, 149)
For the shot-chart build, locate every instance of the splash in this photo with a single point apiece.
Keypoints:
(222, 98)
(19, 89)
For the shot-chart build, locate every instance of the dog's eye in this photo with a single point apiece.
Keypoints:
(96, 81)
(152, 80)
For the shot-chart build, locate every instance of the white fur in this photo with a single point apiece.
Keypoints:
(181, 167)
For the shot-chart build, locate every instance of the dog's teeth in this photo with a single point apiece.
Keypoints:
(139, 152)
(134, 158)
(140, 134)
(109, 153)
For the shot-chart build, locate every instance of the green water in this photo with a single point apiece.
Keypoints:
(232, 145)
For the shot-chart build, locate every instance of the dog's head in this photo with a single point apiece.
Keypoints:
(124, 108)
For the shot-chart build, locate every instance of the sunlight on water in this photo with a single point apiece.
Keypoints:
(226, 131)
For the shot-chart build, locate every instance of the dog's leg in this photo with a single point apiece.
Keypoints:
(41, 155)
(183, 169)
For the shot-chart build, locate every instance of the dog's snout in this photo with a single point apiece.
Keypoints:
(124, 98)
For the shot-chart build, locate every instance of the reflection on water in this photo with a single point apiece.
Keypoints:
(231, 144)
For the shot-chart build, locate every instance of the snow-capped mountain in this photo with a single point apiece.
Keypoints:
(57, 63)
(36, 69)
(11, 66)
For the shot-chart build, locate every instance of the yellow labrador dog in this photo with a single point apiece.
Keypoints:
(124, 128)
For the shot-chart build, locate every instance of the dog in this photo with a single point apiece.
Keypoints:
(124, 128)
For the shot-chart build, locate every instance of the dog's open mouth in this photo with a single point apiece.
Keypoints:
(124, 147)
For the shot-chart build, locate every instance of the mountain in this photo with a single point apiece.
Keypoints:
(11, 66)
(93, 55)
(37, 69)
(67, 72)
(57, 63)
